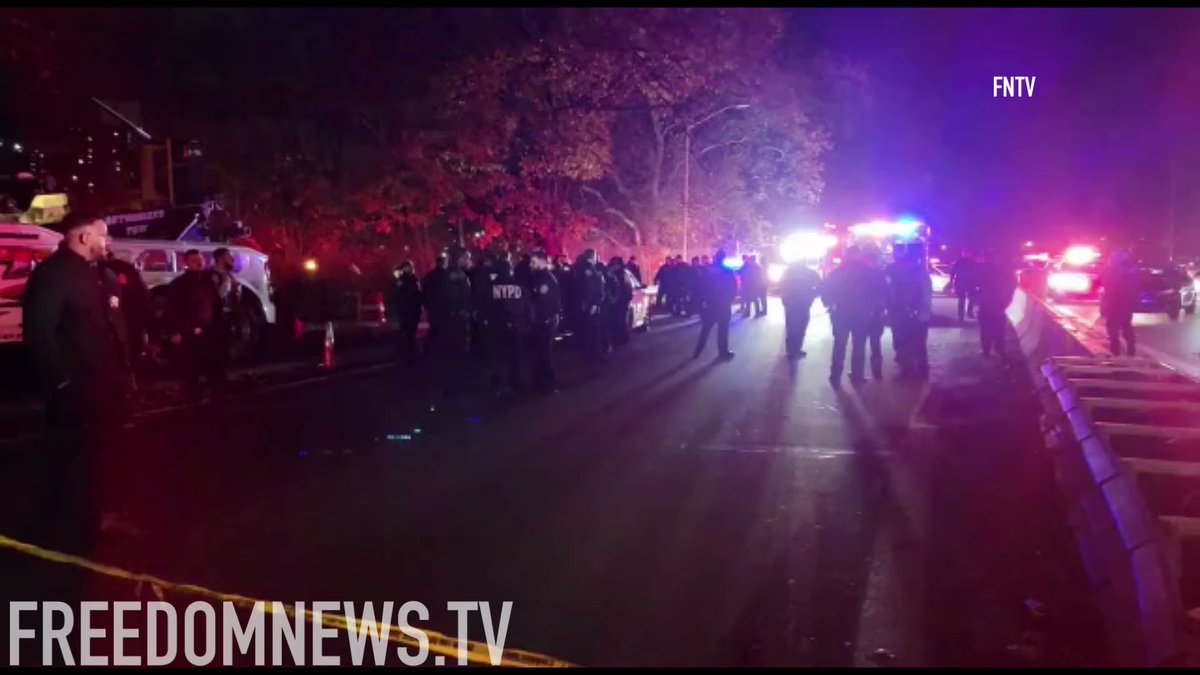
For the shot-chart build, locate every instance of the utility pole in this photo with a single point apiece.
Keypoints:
(1171, 217)
(687, 183)
(687, 163)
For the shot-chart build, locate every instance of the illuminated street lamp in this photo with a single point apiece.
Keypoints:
(687, 161)
(310, 265)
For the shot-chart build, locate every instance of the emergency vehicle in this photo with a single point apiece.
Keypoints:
(23, 245)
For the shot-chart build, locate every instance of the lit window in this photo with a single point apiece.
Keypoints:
(74, 177)
(17, 147)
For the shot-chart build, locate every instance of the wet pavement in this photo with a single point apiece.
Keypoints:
(658, 511)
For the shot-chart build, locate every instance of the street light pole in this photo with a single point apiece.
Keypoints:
(687, 174)
(687, 163)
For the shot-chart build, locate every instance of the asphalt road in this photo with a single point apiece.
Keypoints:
(658, 511)
(1177, 342)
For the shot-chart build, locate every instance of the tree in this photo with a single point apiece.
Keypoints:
(597, 103)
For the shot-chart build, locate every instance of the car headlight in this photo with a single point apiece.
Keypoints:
(1069, 282)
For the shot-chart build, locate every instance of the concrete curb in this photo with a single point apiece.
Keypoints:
(1131, 554)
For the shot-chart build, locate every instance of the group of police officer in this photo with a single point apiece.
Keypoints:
(864, 296)
(504, 318)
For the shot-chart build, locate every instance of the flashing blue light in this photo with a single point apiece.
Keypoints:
(733, 263)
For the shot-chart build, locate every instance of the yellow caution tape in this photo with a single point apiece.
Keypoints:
(476, 652)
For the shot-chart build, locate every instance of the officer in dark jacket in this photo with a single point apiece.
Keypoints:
(994, 293)
(450, 305)
(754, 287)
(854, 293)
(1117, 304)
(716, 287)
(964, 280)
(429, 289)
(589, 296)
(798, 289)
(662, 279)
(619, 296)
(547, 308)
(405, 303)
(910, 308)
(196, 324)
(135, 305)
(511, 324)
(481, 301)
(635, 269)
(72, 329)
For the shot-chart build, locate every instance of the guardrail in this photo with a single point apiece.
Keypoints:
(1125, 434)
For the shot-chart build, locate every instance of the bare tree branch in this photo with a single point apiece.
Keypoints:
(616, 213)
(717, 146)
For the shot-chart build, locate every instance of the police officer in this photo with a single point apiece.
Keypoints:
(406, 305)
(841, 294)
(798, 289)
(716, 288)
(429, 287)
(196, 320)
(589, 296)
(511, 323)
(619, 296)
(910, 309)
(691, 279)
(73, 331)
(482, 342)
(1119, 301)
(662, 281)
(963, 279)
(135, 305)
(547, 308)
(635, 269)
(450, 304)
(874, 297)
(994, 288)
(754, 288)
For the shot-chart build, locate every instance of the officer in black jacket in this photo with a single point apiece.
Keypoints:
(73, 330)
(450, 322)
(511, 324)
(196, 321)
(717, 288)
(547, 309)
(406, 305)
(135, 305)
(589, 294)
(798, 289)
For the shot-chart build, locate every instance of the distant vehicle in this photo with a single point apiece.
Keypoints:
(1167, 289)
(1075, 277)
(939, 272)
(23, 246)
(638, 317)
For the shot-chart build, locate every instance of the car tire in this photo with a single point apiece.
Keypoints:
(249, 327)
(1173, 314)
(1190, 309)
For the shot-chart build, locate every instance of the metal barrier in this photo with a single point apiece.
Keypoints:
(1125, 434)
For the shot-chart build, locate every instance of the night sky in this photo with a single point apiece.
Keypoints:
(1114, 106)
(1115, 100)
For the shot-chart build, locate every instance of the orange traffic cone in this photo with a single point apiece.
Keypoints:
(327, 360)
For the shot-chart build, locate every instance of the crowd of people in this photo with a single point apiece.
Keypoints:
(503, 318)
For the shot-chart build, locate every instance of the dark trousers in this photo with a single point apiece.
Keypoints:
(858, 333)
(1121, 326)
(450, 344)
(760, 303)
(591, 329)
(206, 357)
(618, 327)
(966, 304)
(508, 351)
(795, 318)
(874, 340)
(719, 317)
(541, 353)
(408, 340)
(914, 354)
(83, 471)
(991, 329)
